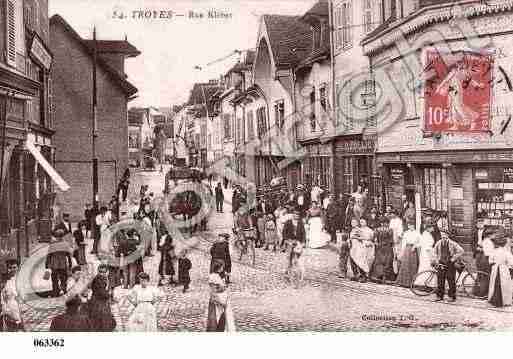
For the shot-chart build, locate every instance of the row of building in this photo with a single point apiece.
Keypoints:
(46, 119)
(372, 92)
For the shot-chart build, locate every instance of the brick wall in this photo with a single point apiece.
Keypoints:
(72, 78)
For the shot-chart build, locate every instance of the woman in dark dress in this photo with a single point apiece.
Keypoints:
(383, 264)
(100, 313)
(167, 260)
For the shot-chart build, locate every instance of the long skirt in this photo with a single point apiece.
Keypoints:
(219, 318)
(317, 237)
(383, 263)
(500, 293)
(100, 315)
(483, 282)
(409, 266)
(143, 318)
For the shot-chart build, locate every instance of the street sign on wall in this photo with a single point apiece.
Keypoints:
(457, 91)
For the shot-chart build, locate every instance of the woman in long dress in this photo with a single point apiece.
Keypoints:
(367, 236)
(409, 262)
(425, 248)
(382, 269)
(220, 315)
(357, 253)
(500, 292)
(98, 306)
(315, 233)
(143, 297)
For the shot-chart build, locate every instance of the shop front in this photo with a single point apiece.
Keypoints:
(457, 187)
(355, 165)
(317, 166)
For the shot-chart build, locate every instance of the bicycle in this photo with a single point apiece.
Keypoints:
(473, 283)
(245, 242)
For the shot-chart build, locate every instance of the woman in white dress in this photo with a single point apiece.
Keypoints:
(281, 217)
(220, 315)
(143, 297)
(316, 236)
(425, 248)
(500, 291)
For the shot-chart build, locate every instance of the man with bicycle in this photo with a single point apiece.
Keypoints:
(446, 254)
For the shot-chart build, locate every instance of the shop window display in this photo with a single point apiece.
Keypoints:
(495, 196)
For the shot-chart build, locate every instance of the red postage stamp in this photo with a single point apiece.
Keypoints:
(457, 91)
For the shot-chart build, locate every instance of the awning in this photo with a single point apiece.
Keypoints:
(59, 181)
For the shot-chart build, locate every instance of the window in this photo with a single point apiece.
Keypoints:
(323, 99)
(344, 25)
(251, 128)
(368, 24)
(227, 126)
(348, 175)
(239, 131)
(209, 141)
(15, 36)
(312, 109)
(261, 122)
(279, 115)
(435, 188)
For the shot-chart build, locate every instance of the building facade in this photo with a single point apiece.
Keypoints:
(26, 113)
(141, 135)
(453, 163)
(73, 89)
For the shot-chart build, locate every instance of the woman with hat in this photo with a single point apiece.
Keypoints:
(143, 297)
(408, 256)
(384, 257)
(500, 291)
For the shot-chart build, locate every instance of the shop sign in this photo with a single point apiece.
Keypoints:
(356, 146)
(457, 91)
(481, 174)
(450, 158)
(40, 53)
(456, 193)
(396, 174)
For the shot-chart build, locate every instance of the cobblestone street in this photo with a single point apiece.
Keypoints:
(263, 301)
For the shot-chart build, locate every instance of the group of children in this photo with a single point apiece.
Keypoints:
(169, 260)
(267, 233)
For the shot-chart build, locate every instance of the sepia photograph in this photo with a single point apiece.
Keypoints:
(249, 166)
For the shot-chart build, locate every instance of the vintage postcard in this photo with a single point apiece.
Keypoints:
(255, 166)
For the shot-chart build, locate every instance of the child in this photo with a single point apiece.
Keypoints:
(271, 235)
(184, 266)
(261, 221)
(167, 260)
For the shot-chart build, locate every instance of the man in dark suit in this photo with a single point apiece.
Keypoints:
(80, 236)
(294, 229)
(221, 251)
(59, 262)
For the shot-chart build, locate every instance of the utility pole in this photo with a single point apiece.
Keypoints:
(95, 127)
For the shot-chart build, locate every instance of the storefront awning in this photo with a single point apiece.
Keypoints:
(59, 181)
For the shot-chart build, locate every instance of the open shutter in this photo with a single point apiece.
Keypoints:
(11, 32)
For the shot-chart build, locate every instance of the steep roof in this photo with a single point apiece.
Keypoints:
(114, 46)
(319, 9)
(202, 93)
(290, 39)
(119, 79)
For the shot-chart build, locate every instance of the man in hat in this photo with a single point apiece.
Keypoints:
(59, 262)
(221, 251)
(446, 252)
(64, 224)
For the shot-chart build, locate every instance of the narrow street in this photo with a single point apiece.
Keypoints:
(264, 301)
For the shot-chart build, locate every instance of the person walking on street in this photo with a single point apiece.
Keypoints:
(446, 252)
(184, 267)
(408, 257)
(383, 264)
(59, 263)
(144, 297)
(102, 222)
(332, 214)
(219, 197)
(221, 251)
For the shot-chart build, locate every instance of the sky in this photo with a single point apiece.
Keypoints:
(171, 48)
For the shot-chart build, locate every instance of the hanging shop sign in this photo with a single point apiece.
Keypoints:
(347, 147)
(40, 53)
(457, 91)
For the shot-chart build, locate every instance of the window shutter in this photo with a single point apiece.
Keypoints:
(349, 23)
(11, 32)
